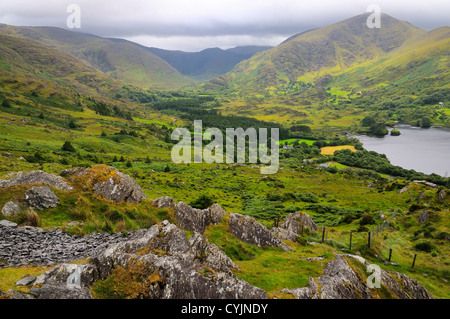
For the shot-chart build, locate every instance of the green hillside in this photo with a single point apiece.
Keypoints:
(122, 60)
(317, 54)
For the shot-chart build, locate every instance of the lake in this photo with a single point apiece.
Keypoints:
(423, 150)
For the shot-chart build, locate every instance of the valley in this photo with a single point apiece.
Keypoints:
(74, 103)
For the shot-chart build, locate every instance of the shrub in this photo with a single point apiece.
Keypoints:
(366, 219)
(425, 246)
(67, 147)
(27, 217)
(72, 124)
(6, 104)
(129, 164)
(202, 202)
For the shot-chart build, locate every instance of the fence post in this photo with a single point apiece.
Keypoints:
(323, 235)
(368, 240)
(414, 261)
(390, 254)
(350, 247)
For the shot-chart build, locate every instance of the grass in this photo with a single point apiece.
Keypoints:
(330, 150)
(9, 277)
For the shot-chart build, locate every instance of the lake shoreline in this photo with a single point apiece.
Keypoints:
(425, 150)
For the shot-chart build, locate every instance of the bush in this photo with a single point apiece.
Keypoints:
(67, 147)
(366, 219)
(129, 164)
(27, 217)
(425, 246)
(6, 104)
(72, 124)
(202, 202)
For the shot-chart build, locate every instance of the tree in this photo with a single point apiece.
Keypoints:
(425, 122)
(68, 147)
(129, 164)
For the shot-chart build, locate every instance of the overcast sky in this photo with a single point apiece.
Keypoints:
(193, 25)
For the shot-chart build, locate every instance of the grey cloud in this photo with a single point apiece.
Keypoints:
(213, 18)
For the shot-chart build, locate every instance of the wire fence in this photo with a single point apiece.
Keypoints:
(362, 242)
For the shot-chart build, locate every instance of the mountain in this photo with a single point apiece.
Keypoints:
(122, 60)
(24, 61)
(319, 54)
(209, 63)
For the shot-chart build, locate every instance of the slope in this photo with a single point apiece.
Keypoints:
(317, 54)
(122, 60)
(209, 63)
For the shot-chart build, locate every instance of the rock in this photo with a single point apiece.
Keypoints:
(37, 177)
(7, 223)
(403, 190)
(424, 217)
(164, 202)
(41, 198)
(442, 194)
(194, 219)
(26, 281)
(177, 268)
(284, 234)
(10, 155)
(340, 281)
(294, 222)
(32, 246)
(249, 230)
(109, 183)
(10, 209)
(421, 196)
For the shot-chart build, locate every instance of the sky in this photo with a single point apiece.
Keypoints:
(194, 25)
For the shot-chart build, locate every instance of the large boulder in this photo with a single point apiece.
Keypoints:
(295, 221)
(41, 198)
(194, 219)
(108, 182)
(342, 280)
(10, 209)
(37, 177)
(249, 230)
(173, 267)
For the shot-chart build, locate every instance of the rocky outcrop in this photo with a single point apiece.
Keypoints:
(164, 202)
(41, 198)
(177, 268)
(109, 183)
(340, 280)
(441, 195)
(424, 217)
(284, 234)
(37, 177)
(10, 209)
(197, 220)
(295, 221)
(25, 246)
(249, 230)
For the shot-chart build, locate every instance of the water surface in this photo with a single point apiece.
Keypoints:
(424, 150)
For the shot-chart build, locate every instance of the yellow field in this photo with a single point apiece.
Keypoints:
(329, 150)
